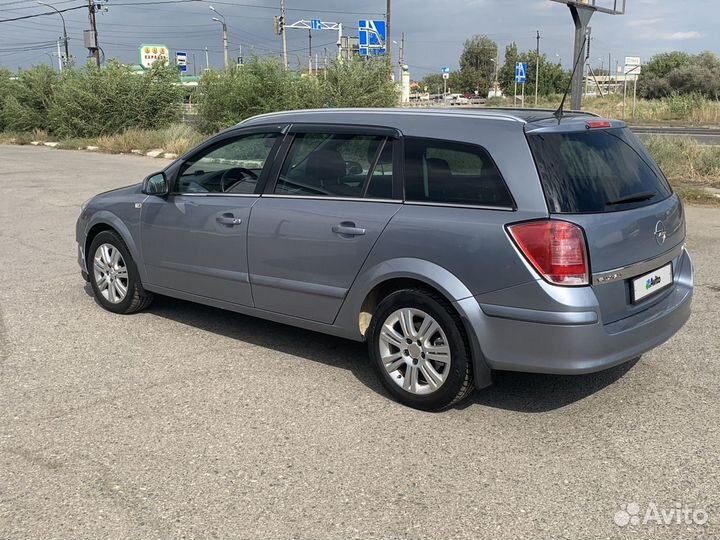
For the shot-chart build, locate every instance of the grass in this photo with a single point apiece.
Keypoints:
(684, 159)
(175, 139)
(689, 166)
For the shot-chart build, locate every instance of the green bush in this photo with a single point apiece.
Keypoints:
(261, 86)
(358, 83)
(96, 102)
(26, 101)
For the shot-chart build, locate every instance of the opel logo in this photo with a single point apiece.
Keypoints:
(660, 234)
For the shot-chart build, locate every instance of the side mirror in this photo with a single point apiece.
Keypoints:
(155, 184)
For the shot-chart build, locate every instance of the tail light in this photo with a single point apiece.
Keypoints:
(556, 249)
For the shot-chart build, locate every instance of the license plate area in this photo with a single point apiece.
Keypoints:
(649, 284)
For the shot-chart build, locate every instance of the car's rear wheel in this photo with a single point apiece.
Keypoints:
(113, 275)
(419, 350)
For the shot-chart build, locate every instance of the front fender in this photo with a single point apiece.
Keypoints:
(433, 276)
(105, 217)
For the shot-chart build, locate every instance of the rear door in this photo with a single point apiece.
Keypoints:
(314, 227)
(194, 239)
(605, 181)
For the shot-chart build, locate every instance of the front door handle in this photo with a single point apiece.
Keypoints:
(347, 228)
(229, 220)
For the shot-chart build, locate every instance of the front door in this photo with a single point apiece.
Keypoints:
(194, 239)
(311, 232)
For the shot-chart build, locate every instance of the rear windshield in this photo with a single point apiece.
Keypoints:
(596, 171)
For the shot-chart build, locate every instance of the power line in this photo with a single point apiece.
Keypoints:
(41, 14)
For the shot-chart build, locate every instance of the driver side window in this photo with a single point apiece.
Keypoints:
(232, 166)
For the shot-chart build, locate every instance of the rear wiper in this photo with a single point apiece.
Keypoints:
(637, 197)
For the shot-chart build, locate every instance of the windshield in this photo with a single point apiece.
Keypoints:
(596, 171)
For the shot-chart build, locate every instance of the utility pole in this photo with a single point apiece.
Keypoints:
(388, 39)
(537, 67)
(94, 47)
(309, 51)
(60, 61)
(282, 33)
(225, 35)
(207, 59)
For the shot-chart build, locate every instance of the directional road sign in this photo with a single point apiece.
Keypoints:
(521, 72)
(371, 37)
(315, 24)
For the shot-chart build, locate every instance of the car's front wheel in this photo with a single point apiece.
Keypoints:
(418, 348)
(113, 275)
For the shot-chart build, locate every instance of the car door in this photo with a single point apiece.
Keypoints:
(194, 239)
(315, 224)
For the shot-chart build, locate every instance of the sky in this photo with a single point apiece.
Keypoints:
(434, 29)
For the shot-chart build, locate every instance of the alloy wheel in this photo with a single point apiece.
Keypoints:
(111, 273)
(415, 351)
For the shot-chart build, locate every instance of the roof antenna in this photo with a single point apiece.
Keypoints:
(560, 110)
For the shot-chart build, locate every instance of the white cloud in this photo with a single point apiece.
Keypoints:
(681, 36)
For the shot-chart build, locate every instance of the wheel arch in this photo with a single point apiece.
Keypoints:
(377, 282)
(107, 221)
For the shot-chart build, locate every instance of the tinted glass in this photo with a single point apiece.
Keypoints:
(232, 166)
(595, 170)
(453, 173)
(337, 165)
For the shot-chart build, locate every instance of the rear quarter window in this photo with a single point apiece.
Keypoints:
(591, 171)
(438, 171)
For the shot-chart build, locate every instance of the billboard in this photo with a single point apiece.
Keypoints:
(151, 53)
(371, 35)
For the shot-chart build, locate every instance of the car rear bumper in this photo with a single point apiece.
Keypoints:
(576, 342)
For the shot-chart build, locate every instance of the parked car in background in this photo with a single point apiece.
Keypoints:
(454, 242)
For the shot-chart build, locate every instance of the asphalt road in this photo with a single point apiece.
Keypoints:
(707, 136)
(187, 421)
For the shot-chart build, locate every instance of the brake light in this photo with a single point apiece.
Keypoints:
(556, 249)
(598, 124)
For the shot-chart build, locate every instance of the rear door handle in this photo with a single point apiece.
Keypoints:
(229, 219)
(348, 228)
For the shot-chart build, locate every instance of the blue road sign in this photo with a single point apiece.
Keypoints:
(316, 24)
(371, 37)
(521, 72)
(445, 70)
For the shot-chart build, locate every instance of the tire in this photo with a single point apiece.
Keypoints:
(445, 350)
(111, 270)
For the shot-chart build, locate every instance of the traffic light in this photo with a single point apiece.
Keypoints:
(278, 23)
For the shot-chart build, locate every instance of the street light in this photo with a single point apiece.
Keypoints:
(225, 34)
(65, 36)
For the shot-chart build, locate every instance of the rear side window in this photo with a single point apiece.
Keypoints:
(337, 165)
(453, 173)
(596, 171)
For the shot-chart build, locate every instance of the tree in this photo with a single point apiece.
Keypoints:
(432, 83)
(477, 65)
(506, 75)
(680, 73)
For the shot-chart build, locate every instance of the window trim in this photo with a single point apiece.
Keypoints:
(222, 139)
(405, 200)
(391, 135)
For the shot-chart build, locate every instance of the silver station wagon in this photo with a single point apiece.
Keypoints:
(454, 242)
